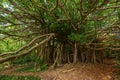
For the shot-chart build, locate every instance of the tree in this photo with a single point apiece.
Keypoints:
(57, 30)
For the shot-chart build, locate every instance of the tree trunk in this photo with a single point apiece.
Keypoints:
(75, 52)
(94, 56)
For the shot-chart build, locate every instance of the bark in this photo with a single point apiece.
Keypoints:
(75, 53)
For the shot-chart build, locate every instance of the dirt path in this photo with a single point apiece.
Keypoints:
(73, 72)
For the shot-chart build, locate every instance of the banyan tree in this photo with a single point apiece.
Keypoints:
(61, 31)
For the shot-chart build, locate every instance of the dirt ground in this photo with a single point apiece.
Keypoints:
(79, 71)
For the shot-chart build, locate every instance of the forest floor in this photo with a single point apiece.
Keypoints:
(79, 71)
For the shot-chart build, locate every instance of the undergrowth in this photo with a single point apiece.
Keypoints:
(5, 77)
(33, 63)
(32, 68)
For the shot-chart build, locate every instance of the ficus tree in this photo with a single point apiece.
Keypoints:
(59, 31)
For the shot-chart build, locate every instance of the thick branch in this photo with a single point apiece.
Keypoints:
(26, 52)
(26, 46)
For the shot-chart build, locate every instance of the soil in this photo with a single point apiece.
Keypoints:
(79, 71)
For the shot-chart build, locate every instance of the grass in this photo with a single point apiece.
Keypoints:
(28, 69)
(33, 68)
(5, 77)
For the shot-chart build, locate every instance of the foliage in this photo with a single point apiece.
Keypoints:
(27, 59)
(5, 47)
